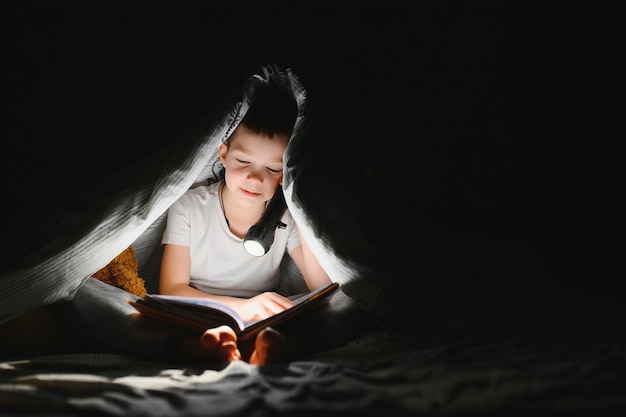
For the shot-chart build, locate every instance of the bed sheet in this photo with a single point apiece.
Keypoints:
(570, 364)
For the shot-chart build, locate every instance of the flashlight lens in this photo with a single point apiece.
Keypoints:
(254, 247)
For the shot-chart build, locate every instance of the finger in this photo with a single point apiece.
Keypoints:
(263, 313)
(281, 301)
(274, 307)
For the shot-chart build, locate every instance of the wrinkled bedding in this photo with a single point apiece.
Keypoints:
(572, 364)
(499, 343)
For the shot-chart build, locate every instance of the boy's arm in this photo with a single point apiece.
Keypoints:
(314, 275)
(175, 272)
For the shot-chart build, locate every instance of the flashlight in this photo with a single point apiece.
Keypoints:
(260, 236)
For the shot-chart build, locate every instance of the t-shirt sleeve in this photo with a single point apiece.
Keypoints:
(178, 226)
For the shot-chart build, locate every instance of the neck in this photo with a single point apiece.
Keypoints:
(238, 217)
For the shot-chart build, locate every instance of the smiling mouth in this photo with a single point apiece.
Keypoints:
(250, 193)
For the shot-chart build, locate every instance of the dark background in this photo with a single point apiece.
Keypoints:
(507, 118)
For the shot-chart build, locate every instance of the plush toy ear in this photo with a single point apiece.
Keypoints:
(122, 272)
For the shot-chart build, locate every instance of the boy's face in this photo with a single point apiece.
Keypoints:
(253, 164)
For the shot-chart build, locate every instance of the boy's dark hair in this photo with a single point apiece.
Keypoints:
(273, 111)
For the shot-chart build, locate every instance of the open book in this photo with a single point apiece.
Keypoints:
(199, 314)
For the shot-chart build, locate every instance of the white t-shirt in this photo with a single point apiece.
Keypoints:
(219, 263)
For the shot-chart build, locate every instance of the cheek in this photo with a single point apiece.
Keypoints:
(233, 174)
(274, 181)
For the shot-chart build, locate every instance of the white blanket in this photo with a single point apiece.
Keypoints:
(113, 215)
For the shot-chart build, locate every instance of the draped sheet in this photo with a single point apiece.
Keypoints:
(71, 242)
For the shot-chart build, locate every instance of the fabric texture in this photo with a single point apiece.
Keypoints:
(82, 232)
(219, 262)
(86, 230)
(567, 364)
(100, 317)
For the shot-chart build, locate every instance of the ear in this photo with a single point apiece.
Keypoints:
(280, 181)
(223, 149)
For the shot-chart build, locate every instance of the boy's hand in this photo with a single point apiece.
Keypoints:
(263, 306)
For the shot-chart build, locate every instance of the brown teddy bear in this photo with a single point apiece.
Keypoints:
(123, 272)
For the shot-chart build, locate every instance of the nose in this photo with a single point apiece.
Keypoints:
(255, 175)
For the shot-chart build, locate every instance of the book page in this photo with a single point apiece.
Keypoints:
(199, 314)
(199, 301)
